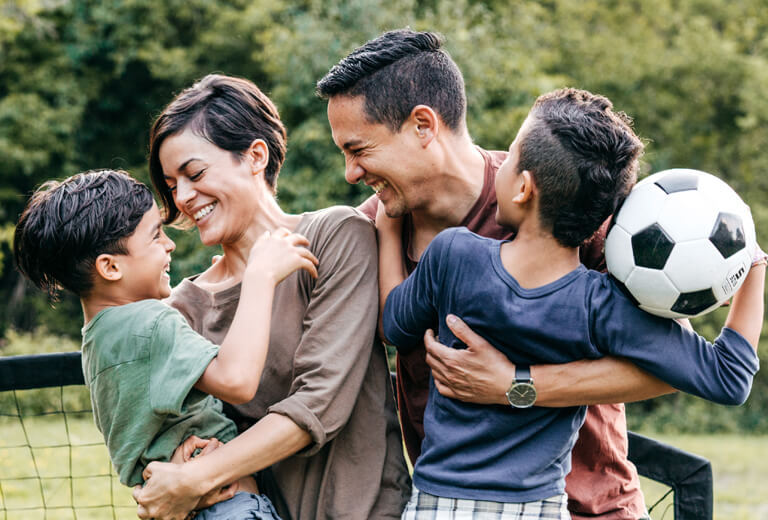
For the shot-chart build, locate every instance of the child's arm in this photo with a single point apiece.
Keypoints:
(746, 313)
(234, 374)
(391, 266)
(720, 371)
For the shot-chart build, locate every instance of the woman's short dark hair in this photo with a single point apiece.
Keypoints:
(66, 225)
(227, 111)
(584, 159)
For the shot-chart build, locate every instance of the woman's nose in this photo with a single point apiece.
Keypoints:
(183, 193)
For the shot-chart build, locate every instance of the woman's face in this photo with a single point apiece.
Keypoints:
(214, 188)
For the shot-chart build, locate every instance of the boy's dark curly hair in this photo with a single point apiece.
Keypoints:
(66, 225)
(584, 159)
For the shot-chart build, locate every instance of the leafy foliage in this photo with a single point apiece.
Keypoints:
(81, 80)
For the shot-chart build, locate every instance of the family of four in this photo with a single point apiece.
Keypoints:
(285, 327)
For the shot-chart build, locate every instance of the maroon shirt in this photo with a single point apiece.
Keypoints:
(602, 481)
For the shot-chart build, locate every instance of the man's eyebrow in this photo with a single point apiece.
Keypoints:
(350, 144)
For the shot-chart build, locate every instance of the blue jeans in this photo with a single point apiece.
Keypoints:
(242, 506)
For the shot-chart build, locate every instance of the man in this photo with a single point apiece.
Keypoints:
(397, 110)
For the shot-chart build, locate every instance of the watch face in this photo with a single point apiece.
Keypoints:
(521, 395)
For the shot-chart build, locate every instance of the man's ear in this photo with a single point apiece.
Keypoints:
(258, 152)
(108, 268)
(526, 188)
(425, 123)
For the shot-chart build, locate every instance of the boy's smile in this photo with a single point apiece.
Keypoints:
(145, 266)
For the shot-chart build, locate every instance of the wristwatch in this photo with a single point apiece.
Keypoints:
(522, 393)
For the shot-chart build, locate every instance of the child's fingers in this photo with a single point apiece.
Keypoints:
(213, 443)
(297, 239)
(308, 266)
(306, 253)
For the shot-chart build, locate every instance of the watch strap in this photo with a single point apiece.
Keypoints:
(522, 373)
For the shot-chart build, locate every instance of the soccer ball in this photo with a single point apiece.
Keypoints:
(682, 243)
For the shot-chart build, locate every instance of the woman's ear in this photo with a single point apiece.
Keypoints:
(108, 268)
(258, 153)
(526, 188)
(425, 123)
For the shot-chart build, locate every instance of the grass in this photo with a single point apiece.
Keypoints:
(740, 467)
(79, 484)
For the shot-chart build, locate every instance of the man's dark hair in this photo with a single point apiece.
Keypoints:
(396, 72)
(66, 225)
(584, 159)
(229, 112)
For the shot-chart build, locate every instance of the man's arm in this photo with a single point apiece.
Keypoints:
(481, 374)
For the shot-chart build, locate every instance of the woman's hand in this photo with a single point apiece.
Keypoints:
(154, 509)
(279, 253)
(167, 493)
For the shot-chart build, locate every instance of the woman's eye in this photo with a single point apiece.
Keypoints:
(171, 188)
(197, 175)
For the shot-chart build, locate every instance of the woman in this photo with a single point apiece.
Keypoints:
(324, 417)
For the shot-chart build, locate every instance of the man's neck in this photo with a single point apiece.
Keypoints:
(455, 191)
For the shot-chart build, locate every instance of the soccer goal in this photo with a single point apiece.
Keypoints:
(53, 461)
(54, 465)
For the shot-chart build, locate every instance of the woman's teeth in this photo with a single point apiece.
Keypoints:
(204, 211)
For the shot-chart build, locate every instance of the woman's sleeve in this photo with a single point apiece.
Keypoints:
(720, 371)
(332, 358)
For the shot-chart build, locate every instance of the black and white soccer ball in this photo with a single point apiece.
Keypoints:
(682, 243)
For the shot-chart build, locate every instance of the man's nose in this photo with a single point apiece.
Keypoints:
(354, 172)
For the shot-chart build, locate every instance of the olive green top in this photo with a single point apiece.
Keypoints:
(140, 363)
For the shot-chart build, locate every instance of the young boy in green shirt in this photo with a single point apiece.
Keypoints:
(153, 380)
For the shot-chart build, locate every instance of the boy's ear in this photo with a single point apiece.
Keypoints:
(108, 268)
(258, 152)
(526, 188)
(424, 122)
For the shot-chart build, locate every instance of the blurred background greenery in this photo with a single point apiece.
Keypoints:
(81, 80)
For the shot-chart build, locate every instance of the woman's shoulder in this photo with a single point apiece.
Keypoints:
(333, 221)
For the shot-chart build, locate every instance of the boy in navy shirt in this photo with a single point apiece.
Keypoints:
(573, 160)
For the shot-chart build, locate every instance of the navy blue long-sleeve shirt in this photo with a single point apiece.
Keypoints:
(499, 453)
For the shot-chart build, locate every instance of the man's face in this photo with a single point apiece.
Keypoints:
(394, 165)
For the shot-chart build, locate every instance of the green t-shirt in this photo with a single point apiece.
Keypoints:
(140, 363)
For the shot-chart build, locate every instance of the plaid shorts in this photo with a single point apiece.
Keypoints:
(423, 506)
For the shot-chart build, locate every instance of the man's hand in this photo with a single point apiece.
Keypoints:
(479, 374)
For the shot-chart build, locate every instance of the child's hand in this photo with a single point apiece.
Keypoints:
(187, 449)
(388, 225)
(280, 253)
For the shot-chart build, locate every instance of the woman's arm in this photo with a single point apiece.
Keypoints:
(171, 491)
(481, 374)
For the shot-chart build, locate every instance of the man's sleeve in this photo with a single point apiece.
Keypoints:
(369, 207)
(592, 252)
(178, 357)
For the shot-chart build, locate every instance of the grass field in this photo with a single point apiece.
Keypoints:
(73, 447)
